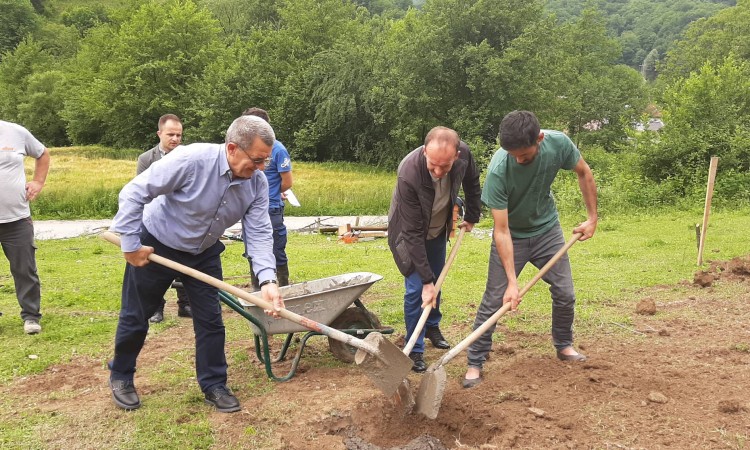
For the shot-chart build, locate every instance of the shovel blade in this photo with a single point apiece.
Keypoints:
(430, 393)
(387, 366)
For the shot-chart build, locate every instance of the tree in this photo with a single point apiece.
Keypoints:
(711, 40)
(242, 17)
(706, 114)
(18, 21)
(83, 18)
(125, 77)
(648, 68)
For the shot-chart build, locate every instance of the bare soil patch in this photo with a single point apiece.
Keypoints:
(677, 377)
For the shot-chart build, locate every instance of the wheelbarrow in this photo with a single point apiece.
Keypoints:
(327, 301)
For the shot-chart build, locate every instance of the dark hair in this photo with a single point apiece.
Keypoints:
(444, 135)
(163, 119)
(519, 129)
(257, 112)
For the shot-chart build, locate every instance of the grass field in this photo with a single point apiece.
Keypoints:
(83, 183)
(82, 277)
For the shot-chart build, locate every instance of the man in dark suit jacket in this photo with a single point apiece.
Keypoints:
(170, 136)
(420, 220)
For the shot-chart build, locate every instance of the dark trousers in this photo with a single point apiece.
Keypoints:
(142, 291)
(413, 295)
(17, 240)
(279, 235)
(279, 248)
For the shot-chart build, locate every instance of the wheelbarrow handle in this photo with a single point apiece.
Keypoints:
(426, 311)
(461, 346)
(257, 301)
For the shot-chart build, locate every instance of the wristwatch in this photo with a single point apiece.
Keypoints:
(268, 282)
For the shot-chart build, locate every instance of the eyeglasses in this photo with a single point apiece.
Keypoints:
(256, 161)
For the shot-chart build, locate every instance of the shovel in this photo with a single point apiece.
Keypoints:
(403, 395)
(431, 391)
(383, 362)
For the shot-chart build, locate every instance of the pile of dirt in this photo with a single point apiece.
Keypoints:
(736, 269)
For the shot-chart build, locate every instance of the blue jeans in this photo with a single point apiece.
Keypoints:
(413, 296)
(537, 250)
(143, 289)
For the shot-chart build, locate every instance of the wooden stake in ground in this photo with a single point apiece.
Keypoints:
(707, 209)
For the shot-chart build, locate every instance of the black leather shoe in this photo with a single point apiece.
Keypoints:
(124, 394)
(223, 399)
(185, 311)
(436, 337)
(419, 364)
(157, 317)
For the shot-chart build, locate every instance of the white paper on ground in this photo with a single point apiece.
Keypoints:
(291, 198)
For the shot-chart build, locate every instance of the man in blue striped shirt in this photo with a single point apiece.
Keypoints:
(179, 208)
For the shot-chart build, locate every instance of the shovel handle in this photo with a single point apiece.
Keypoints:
(426, 311)
(257, 301)
(461, 346)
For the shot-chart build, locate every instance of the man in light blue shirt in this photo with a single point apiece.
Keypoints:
(179, 208)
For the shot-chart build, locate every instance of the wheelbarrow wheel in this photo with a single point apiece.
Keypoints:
(353, 318)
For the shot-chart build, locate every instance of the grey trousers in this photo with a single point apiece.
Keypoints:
(17, 239)
(537, 250)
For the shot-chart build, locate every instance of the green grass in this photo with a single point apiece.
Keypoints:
(81, 281)
(84, 182)
(81, 287)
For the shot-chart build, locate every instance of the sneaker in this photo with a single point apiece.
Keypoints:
(124, 394)
(223, 399)
(32, 326)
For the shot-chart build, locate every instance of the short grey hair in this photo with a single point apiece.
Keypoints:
(244, 129)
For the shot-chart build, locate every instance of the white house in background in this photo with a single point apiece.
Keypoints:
(654, 124)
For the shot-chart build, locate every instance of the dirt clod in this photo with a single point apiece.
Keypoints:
(731, 406)
(537, 412)
(703, 279)
(646, 306)
(657, 397)
(423, 442)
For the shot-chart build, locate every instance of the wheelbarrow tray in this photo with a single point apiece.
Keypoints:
(321, 300)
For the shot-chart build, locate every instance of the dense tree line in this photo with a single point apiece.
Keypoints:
(365, 80)
(358, 81)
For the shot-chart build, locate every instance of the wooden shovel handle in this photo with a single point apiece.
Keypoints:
(426, 311)
(461, 346)
(257, 301)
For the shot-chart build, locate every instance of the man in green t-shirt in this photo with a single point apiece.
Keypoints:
(527, 229)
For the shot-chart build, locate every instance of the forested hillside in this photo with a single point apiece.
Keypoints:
(365, 80)
(646, 29)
